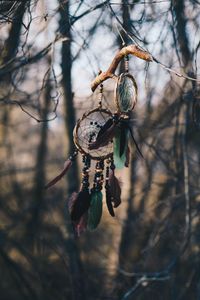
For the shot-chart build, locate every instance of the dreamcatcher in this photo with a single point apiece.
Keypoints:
(85, 207)
(101, 137)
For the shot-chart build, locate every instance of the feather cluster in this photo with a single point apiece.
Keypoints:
(85, 210)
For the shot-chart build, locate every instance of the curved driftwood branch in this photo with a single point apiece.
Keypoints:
(131, 49)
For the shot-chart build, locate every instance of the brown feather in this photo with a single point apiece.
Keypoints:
(72, 201)
(115, 189)
(109, 201)
(80, 206)
(104, 138)
(81, 226)
(67, 165)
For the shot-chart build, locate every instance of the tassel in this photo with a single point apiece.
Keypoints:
(67, 166)
(109, 201)
(104, 138)
(95, 210)
(80, 204)
(115, 189)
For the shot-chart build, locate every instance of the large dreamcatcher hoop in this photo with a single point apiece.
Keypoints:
(87, 130)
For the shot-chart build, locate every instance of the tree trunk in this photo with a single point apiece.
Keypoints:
(9, 51)
(75, 264)
(34, 225)
(126, 234)
(12, 43)
(70, 118)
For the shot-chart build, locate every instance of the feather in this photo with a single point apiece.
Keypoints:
(81, 226)
(136, 145)
(95, 210)
(104, 138)
(80, 205)
(105, 127)
(72, 201)
(119, 160)
(115, 189)
(67, 166)
(109, 201)
(123, 139)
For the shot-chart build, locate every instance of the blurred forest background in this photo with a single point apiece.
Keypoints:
(50, 53)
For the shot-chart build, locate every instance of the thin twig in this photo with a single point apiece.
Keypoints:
(174, 71)
(143, 280)
(30, 114)
(186, 182)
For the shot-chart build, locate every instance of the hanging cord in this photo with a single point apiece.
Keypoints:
(85, 172)
(126, 63)
(98, 177)
(107, 173)
(126, 58)
(109, 197)
(121, 37)
(100, 92)
(101, 95)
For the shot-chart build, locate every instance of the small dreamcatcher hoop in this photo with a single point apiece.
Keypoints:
(87, 130)
(125, 93)
(126, 90)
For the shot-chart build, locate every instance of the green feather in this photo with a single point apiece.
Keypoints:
(95, 210)
(119, 161)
